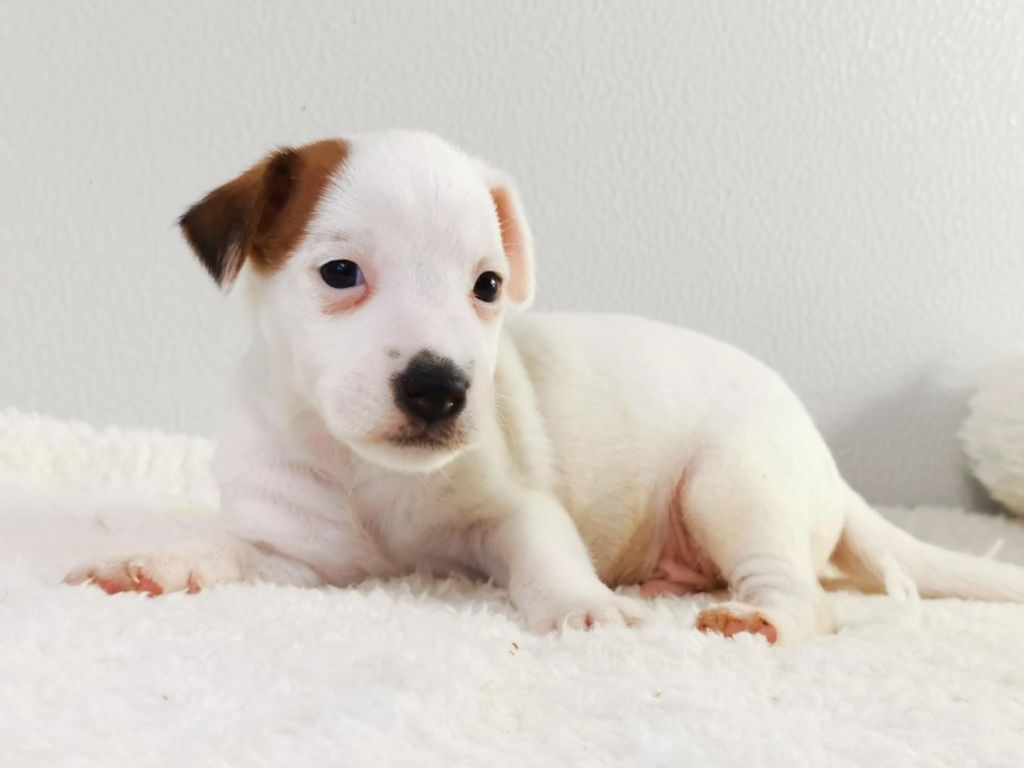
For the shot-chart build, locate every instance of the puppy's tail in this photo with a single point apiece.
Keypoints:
(869, 544)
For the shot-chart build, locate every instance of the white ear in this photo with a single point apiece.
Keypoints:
(515, 234)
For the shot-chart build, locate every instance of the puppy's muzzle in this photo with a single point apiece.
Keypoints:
(431, 389)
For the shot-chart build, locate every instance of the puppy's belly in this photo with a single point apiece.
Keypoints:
(681, 567)
(663, 558)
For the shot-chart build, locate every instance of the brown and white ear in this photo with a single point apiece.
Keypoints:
(515, 234)
(260, 216)
(223, 227)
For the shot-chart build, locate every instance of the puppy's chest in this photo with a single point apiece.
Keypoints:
(415, 523)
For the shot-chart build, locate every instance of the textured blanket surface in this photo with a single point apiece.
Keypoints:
(422, 672)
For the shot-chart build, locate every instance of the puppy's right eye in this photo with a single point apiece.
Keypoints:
(342, 273)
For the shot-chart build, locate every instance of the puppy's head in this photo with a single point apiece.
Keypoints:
(382, 268)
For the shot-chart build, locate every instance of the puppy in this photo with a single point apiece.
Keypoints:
(390, 417)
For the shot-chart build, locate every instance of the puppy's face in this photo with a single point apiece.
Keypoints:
(382, 269)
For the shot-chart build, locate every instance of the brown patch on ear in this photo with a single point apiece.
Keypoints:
(216, 227)
(263, 214)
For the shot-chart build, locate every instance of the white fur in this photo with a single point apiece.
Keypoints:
(993, 436)
(581, 433)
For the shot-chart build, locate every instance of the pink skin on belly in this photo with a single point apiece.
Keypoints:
(681, 567)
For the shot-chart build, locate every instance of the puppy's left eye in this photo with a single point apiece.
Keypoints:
(341, 273)
(488, 287)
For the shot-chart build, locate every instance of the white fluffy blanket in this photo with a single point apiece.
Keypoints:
(421, 673)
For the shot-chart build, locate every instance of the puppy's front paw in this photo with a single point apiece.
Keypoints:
(605, 609)
(159, 573)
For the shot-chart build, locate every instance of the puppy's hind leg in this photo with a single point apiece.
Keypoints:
(759, 538)
(771, 597)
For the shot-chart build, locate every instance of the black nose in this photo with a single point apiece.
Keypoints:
(431, 388)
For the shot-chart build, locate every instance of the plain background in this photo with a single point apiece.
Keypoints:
(837, 187)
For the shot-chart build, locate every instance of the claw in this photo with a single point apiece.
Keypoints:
(81, 577)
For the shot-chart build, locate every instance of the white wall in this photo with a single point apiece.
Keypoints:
(836, 187)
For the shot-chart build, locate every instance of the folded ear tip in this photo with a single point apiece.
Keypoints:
(208, 242)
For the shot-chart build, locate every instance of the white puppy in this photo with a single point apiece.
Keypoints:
(390, 418)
